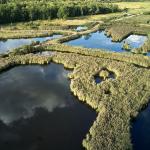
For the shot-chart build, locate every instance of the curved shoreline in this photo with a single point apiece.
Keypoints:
(114, 109)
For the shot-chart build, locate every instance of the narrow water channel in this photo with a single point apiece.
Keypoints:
(38, 111)
(10, 44)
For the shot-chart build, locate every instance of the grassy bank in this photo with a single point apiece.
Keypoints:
(136, 59)
(120, 31)
(115, 100)
(16, 34)
(135, 7)
(129, 58)
(122, 28)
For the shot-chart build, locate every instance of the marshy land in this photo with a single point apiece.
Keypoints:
(74, 75)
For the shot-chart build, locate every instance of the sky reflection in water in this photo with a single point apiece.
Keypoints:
(15, 43)
(100, 40)
(39, 88)
(38, 111)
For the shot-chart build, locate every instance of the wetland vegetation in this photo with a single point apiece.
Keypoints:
(115, 85)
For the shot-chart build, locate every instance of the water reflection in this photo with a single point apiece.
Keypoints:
(81, 28)
(15, 43)
(100, 40)
(136, 41)
(38, 111)
(141, 130)
(148, 54)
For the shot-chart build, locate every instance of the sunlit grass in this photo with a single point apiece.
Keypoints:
(135, 7)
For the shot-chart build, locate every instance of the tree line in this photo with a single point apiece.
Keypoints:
(16, 11)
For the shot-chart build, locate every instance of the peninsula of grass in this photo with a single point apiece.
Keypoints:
(116, 101)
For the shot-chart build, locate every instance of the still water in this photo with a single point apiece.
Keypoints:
(38, 111)
(10, 44)
(81, 28)
(141, 131)
(100, 40)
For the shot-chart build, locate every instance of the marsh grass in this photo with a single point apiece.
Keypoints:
(115, 101)
(17, 34)
(126, 46)
(129, 58)
(121, 29)
(135, 7)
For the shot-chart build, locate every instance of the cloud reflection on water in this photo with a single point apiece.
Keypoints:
(29, 87)
(15, 43)
(100, 40)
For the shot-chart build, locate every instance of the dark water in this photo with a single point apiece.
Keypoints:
(38, 111)
(15, 43)
(99, 79)
(100, 40)
(140, 131)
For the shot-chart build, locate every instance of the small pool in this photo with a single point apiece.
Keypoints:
(10, 44)
(136, 41)
(148, 54)
(100, 40)
(140, 132)
(39, 112)
(104, 74)
(81, 28)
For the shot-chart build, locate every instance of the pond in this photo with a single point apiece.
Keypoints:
(10, 44)
(81, 28)
(39, 112)
(136, 41)
(140, 132)
(148, 54)
(103, 75)
(100, 40)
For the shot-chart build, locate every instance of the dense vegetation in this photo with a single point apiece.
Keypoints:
(128, 92)
(139, 24)
(14, 11)
(115, 100)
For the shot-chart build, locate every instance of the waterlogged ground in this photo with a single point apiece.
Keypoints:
(80, 28)
(100, 40)
(141, 130)
(38, 111)
(10, 44)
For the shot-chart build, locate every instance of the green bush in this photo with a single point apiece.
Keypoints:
(27, 49)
